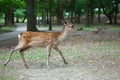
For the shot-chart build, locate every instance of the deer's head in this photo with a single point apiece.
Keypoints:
(69, 26)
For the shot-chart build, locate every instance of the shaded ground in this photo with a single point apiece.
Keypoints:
(91, 57)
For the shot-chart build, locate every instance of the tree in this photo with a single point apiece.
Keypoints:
(110, 8)
(50, 10)
(87, 15)
(99, 12)
(31, 16)
(8, 7)
(79, 9)
(59, 10)
(116, 3)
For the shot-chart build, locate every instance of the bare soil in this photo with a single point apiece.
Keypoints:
(92, 57)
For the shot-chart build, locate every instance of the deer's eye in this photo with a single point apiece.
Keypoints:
(72, 26)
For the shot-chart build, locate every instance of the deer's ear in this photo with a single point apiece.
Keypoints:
(63, 22)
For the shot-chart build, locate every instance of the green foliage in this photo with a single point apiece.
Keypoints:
(7, 4)
(20, 13)
(17, 5)
(80, 6)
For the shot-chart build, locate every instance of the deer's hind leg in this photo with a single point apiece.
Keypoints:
(18, 47)
(11, 52)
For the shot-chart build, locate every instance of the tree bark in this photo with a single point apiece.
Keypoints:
(50, 19)
(44, 16)
(9, 17)
(87, 16)
(91, 14)
(71, 19)
(99, 12)
(59, 12)
(17, 19)
(78, 17)
(115, 12)
(24, 19)
(31, 16)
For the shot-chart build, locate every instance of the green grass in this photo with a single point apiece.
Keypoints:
(115, 56)
(29, 54)
(7, 29)
(7, 78)
(94, 27)
(107, 47)
(115, 29)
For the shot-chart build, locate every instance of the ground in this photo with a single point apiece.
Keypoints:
(90, 56)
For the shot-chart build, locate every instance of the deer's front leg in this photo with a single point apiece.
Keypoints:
(22, 55)
(59, 51)
(48, 54)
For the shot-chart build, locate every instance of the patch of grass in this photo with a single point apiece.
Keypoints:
(36, 54)
(115, 29)
(90, 28)
(107, 47)
(7, 29)
(95, 26)
(115, 55)
(29, 54)
(7, 78)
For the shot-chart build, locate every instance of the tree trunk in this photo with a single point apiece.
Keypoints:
(17, 19)
(115, 18)
(24, 19)
(91, 14)
(9, 17)
(115, 14)
(78, 17)
(44, 16)
(59, 12)
(31, 16)
(108, 14)
(47, 17)
(110, 19)
(50, 19)
(87, 16)
(99, 12)
(71, 16)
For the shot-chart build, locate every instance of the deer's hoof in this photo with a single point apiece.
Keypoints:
(5, 64)
(65, 62)
(26, 66)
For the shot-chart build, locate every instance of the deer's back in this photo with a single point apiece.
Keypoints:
(39, 39)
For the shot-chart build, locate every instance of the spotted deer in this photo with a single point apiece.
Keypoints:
(49, 40)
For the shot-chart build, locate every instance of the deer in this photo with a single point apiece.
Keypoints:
(48, 40)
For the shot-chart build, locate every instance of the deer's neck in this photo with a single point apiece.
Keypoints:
(63, 34)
